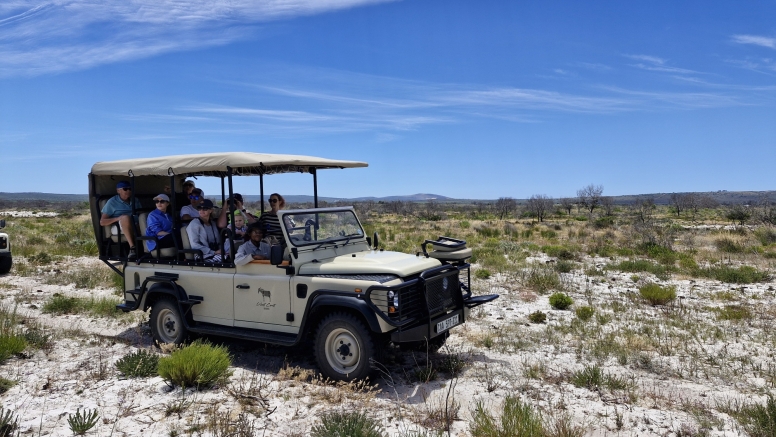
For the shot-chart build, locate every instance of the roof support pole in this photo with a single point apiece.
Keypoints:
(261, 191)
(315, 185)
(231, 208)
(175, 223)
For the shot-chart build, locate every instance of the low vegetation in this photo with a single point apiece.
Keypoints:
(198, 365)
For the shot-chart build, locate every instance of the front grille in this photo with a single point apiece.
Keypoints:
(442, 292)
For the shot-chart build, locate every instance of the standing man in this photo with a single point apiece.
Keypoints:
(117, 213)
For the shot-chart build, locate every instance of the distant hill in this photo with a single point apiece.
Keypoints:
(723, 197)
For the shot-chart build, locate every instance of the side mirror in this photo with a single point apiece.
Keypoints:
(276, 255)
(376, 240)
(2, 224)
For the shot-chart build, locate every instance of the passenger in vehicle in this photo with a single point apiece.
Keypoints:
(117, 213)
(190, 211)
(253, 249)
(240, 230)
(160, 225)
(203, 234)
(269, 221)
(223, 219)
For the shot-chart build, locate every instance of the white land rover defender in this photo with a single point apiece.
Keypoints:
(5, 251)
(325, 281)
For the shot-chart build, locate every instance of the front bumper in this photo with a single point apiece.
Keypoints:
(429, 305)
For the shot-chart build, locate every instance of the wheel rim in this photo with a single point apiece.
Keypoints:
(343, 351)
(168, 325)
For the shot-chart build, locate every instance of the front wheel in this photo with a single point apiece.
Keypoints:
(166, 322)
(344, 348)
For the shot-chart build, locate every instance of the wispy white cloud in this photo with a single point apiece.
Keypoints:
(654, 63)
(61, 35)
(763, 41)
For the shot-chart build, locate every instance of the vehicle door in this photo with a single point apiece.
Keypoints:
(262, 297)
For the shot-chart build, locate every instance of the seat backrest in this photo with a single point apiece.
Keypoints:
(185, 243)
(142, 221)
(106, 233)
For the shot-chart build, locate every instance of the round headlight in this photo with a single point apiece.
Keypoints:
(393, 298)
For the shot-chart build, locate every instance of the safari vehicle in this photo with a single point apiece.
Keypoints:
(326, 281)
(6, 261)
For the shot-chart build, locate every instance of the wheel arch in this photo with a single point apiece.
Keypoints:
(324, 303)
(160, 291)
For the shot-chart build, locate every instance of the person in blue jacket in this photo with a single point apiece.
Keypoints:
(160, 225)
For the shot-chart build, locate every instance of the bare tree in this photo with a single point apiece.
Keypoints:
(644, 210)
(505, 206)
(682, 202)
(590, 196)
(540, 205)
(607, 203)
(567, 204)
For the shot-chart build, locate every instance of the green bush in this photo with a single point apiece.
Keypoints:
(139, 364)
(641, 265)
(560, 301)
(593, 377)
(728, 245)
(103, 306)
(603, 222)
(8, 422)
(733, 275)
(482, 274)
(585, 313)
(5, 385)
(518, 419)
(199, 364)
(347, 424)
(542, 279)
(733, 312)
(758, 419)
(11, 343)
(537, 317)
(766, 236)
(81, 423)
(657, 295)
(560, 252)
(564, 266)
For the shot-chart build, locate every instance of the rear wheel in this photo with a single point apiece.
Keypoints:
(344, 348)
(166, 322)
(5, 264)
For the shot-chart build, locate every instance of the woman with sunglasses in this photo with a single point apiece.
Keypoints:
(160, 225)
(269, 222)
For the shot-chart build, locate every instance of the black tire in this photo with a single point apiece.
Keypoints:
(166, 322)
(434, 345)
(344, 348)
(5, 264)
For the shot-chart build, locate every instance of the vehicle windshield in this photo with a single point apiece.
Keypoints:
(321, 227)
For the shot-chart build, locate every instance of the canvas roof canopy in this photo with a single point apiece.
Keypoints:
(218, 164)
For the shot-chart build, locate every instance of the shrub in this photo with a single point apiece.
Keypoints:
(138, 364)
(81, 423)
(518, 419)
(585, 313)
(560, 252)
(350, 424)
(641, 265)
(662, 254)
(543, 279)
(603, 222)
(733, 312)
(5, 385)
(766, 236)
(564, 266)
(733, 275)
(728, 245)
(59, 304)
(537, 317)
(759, 420)
(560, 301)
(657, 295)
(8, 422)
(197, 365)
(11, 343)
(482, 274)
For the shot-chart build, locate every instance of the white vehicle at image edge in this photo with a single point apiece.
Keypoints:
(326, 281)
(6, 261)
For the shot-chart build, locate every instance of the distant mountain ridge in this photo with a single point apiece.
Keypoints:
(722, 197)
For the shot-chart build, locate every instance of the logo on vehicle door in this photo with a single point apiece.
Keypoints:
(266, 299)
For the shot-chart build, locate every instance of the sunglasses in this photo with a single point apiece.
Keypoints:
(125, 189)
(273, 200)
(194, 197)
(161, 201)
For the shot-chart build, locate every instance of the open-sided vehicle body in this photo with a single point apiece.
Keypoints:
(326, 280)
(6, 261)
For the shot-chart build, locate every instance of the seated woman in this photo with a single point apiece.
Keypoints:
(160, 225)
(204, 235)
(269, 221)
(253, 249)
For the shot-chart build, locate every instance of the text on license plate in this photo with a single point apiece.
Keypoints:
(446, 324)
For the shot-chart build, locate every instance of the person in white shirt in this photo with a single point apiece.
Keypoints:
(252, 249)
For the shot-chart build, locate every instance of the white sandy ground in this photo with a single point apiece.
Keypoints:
(79, 373)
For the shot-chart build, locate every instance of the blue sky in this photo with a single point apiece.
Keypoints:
(463, 99)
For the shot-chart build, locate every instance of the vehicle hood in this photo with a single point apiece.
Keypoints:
(396, 263)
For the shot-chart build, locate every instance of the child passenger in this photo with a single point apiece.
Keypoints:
(239, 226)
(253, 248)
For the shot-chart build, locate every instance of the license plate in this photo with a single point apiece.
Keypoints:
(446, 324)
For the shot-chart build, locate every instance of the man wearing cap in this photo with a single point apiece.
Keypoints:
(238, 206)
(189, 212)
(160, 225)
(203, 234)
(117, 213)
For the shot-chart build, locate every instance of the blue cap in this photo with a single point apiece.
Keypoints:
(122, 184)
